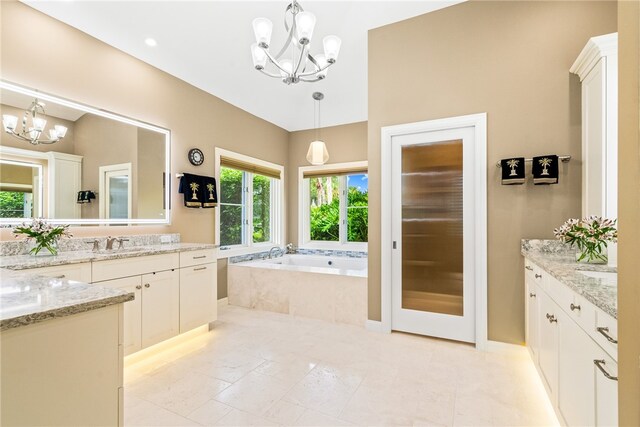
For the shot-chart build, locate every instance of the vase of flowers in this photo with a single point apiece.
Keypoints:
(590, 235)
(42, 235)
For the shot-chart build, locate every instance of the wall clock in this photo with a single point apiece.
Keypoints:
(196, 158)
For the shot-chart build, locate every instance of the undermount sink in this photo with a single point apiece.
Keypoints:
(607, 277)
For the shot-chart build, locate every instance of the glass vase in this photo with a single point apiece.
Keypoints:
(596, 257)
(44, 251)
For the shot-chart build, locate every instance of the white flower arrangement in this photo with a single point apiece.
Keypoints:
(591, 235)
(44, 234)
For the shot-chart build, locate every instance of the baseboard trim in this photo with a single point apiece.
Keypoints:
(223, 301)
(374, 326)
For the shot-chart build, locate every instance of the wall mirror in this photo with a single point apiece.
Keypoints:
(76, 164)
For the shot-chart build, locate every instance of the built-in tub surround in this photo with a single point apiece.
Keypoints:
(559, 261)
(320, 287)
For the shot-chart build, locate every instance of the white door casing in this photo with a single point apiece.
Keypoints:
(472, 130)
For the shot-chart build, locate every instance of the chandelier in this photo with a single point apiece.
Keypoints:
(299, 65)
(32, 133)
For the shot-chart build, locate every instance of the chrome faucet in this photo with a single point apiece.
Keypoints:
(121, 242)
(96, 245)
(276, 248)
(110, 241)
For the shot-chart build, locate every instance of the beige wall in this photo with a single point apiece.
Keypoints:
(83, 69)
(102, 142)
(511, 60)
(151, 160)
(629, 211)
(345, 143)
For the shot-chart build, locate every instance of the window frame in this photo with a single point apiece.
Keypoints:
(304, 212)
(276, 202)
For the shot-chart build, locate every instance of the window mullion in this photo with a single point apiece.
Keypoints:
(249, 209)
(274, 212)
(342, 190)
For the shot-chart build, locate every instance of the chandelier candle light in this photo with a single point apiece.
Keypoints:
(317, 154)
(301, 66)
(32, 133)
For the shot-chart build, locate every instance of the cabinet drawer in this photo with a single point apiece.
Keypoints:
(80, 272)
(116, 268)
(204, 256)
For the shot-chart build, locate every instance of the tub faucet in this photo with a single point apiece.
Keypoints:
(277, 248)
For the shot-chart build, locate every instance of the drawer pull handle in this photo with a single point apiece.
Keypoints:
(603, 330)
(532, 295)
(538, 276)
(528, 267)
(199, 257)
(599, 363)
(574, 307)
(146, 285)
(551, 318)
(199, 268)
(62, 276)
(138, 286)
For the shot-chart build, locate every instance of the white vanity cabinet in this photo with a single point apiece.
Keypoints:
(174, 293)
(565, 343)
(153, 315)
(597, 67)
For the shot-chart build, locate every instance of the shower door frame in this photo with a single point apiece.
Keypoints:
(479, 123)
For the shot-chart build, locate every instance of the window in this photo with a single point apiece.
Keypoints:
(250, 203)
(334, 206)
(16, 204)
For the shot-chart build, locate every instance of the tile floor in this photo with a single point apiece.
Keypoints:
(263, 368)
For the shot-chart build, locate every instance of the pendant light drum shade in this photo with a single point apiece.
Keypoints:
(317, 154)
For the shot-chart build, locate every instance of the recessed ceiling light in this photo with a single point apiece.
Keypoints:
(150, 42)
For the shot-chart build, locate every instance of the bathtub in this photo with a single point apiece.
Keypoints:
(315, 286)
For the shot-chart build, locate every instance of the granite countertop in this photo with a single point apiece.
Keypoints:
(23, 262)
(559, 261)
(29, 298)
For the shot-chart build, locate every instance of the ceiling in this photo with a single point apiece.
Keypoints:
(206, 43)
(22, 102)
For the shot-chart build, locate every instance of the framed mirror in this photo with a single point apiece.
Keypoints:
(76, 164)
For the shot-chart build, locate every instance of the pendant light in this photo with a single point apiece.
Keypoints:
(317, 154)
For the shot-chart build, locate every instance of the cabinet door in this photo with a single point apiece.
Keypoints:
(606, 390)
(132, 311)
(160, 306)
(548, 344)
(576, 391)
(531, 319)
(198, 302)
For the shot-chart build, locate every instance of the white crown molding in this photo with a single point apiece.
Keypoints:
(596, 48)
